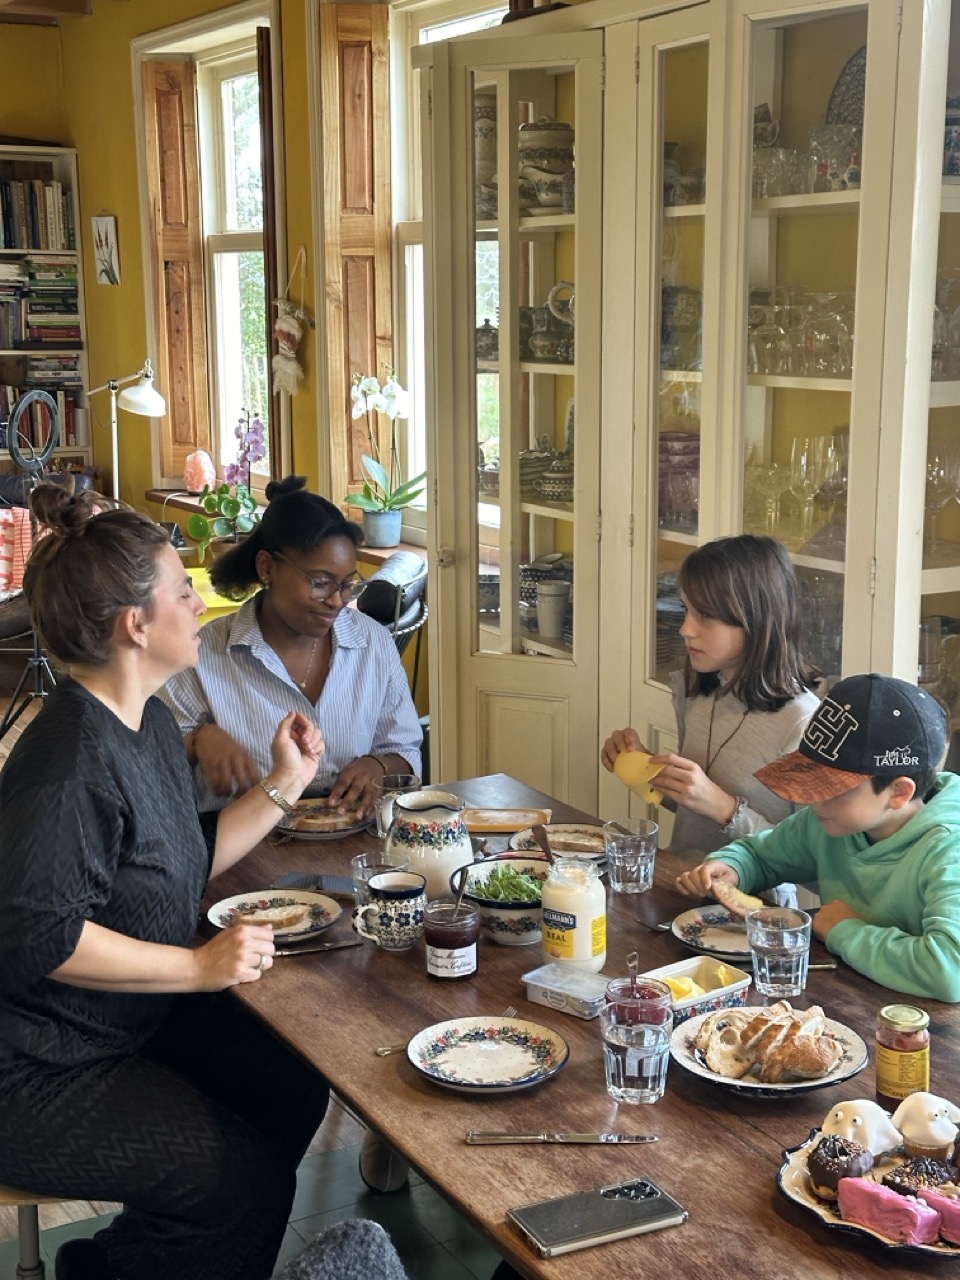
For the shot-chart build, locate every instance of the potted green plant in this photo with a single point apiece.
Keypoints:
(384, 494)
(231, 510)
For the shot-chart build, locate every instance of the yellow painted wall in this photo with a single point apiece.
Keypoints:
(87, 102)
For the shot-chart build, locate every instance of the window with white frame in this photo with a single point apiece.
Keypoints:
(232, 199)
(414, 24)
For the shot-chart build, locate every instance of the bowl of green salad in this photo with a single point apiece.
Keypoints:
(508, 893)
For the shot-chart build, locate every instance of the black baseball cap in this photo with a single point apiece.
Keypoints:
(869, 726)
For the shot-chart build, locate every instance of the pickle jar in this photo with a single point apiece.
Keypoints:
(903, 1053)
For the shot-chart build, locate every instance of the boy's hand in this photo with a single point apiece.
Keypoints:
(832, 913)
(696, 882)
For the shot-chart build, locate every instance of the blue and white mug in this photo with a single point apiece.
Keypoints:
(393, 918)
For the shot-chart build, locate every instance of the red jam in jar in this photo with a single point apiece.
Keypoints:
(650, 1001)
(903, 1054)
(451, 936)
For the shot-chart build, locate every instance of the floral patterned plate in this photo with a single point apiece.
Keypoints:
(287, 825)
(567, 840)
(487, 1055)
(794, 1182)
(714, 931)
(683, 1050)
(323, 910)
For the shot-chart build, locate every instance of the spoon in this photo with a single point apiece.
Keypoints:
(633, 964)
(460, 892)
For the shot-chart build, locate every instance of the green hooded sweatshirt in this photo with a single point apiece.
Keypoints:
(906, 888)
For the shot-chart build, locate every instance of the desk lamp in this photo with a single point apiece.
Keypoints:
(143, 399)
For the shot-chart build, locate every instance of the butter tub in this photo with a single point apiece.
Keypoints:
(724, 986)
(568, 990)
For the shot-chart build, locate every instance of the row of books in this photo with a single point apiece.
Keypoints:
(38, 314)
(36, 213)
(34, 425)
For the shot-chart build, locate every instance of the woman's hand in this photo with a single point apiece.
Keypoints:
(242, 953)
(296, 749)
(619, 740)
(698, 881)
(353, 788)
(685, 782)
(229, 768)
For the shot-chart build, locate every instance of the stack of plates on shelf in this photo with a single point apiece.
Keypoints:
(670, 615)
(533, 466)
(679, 479)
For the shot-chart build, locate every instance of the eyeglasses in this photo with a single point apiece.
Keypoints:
(324, 588)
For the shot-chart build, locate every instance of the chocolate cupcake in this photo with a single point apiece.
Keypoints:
(834, 1158)
(916, 1174)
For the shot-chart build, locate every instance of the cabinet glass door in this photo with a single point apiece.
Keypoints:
(808, 96)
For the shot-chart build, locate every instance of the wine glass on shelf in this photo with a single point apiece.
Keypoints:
(771, 481)
(938, 493)
(833, 486)
(806, 456)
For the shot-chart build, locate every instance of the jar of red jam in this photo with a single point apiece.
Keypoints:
(903, 1053)
(641, 1000)
(451, 935)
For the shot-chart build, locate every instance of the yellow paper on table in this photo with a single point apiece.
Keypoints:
(637, 770)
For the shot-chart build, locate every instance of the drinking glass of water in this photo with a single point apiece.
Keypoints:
(636, 1026)
(631, 850)
(779, 940)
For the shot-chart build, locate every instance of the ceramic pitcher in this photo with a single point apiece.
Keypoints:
(428, 829)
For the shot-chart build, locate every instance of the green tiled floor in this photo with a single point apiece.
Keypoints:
(433, 1240)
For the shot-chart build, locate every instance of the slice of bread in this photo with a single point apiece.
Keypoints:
(319, 819)
(279, 917)
(735, 900)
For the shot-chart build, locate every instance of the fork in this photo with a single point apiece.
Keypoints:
(386, 1049)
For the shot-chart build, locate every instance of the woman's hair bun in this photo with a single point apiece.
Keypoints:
(58, 509)
(289, 484)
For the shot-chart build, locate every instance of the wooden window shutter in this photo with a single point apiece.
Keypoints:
(270, 214)
(355, 111)
(173, 173)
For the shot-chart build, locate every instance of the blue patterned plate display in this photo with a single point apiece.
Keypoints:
(714, 931)
(849, 92)
(794, 1182)
(683, 1050)
(322, 911)
(487, 1055)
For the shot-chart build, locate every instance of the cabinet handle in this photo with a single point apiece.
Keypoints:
(445, 558)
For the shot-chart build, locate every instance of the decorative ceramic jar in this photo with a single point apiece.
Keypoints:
(487, 341)
(429, 831)
(546, 144)
(484, 136)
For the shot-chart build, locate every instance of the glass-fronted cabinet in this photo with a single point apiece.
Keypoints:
(718, 320)
(521, 396)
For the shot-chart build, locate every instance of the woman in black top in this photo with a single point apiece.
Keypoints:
(125, 1072)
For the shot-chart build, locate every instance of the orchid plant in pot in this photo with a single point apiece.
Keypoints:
(230, 509)
(385, 493)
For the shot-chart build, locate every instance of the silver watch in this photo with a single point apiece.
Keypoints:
(276, 797)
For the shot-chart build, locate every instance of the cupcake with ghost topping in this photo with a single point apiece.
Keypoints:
(928, 1125)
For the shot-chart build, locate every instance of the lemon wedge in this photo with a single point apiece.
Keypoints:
(682, 988)
(636, 770)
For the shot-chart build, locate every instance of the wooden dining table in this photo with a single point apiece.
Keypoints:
(718, 1152)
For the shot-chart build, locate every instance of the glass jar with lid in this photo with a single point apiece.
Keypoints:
(575, 915)
(903, 1053)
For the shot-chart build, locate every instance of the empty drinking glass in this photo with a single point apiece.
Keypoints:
(939, 493)
(805, 479)
(833, 485)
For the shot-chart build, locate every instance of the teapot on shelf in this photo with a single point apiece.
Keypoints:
(560, 306)
(428, 829)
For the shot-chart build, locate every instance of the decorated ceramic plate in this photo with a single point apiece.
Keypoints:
(322, 911)
(684, 1052)
(713, 930)
(795, 1185)
(343, 824)
(488, 1055)
(847, 99)
(567, 840)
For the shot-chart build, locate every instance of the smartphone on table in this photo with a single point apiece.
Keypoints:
(587, 1218)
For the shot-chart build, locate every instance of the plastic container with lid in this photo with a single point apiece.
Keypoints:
(575, 915)
(903, 1053)
(566, 989)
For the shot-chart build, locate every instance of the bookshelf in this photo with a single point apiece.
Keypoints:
(42, 323)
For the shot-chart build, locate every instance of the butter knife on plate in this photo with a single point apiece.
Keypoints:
(480, 1137)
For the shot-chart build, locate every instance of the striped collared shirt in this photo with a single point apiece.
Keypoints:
(241, 685)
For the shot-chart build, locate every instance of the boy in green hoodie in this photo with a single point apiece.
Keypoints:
(881, 836)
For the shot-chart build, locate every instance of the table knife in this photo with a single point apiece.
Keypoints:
(317, 946)
(480, 1137)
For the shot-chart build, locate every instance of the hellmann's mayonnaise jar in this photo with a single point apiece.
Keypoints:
(575, 915)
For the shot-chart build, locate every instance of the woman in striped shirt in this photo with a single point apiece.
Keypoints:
(294, 646)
